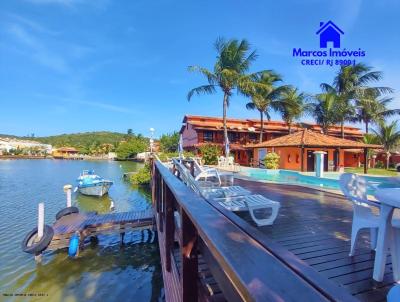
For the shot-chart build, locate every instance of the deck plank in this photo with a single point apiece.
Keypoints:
(316, 227)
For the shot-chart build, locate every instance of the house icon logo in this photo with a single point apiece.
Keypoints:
(329, 32)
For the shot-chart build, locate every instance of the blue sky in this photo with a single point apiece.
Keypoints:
(75, 65)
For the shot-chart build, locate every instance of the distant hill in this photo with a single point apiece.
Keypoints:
(81, 140)
(85, 141)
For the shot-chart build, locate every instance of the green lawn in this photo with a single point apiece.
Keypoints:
(383, 172)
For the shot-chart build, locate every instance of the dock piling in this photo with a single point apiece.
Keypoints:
(38, 257)
(68, 190)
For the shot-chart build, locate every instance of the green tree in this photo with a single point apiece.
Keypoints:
(233, 62)
(293, 106)
(131, 148)
(372, 109)
(388, 136)
(323, 109)
(265, 95)
(350, 83)
(169, 142)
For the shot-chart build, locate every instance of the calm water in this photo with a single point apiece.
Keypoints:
(103, 272)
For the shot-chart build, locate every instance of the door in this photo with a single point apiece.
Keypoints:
(336, 160)
(261, 154)
(310, 161)
(326, 163)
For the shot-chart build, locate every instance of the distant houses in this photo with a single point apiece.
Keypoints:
(26, 147)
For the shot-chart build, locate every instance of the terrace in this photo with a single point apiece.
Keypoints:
(303, 256)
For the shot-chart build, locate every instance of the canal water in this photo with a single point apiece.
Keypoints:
(103, 272)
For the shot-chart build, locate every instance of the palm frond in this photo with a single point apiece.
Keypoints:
(205, 89)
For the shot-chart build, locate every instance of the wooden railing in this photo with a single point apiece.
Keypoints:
(242, 266)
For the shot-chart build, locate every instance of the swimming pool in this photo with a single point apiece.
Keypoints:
(330, 181)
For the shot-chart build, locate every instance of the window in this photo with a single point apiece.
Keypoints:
(233, 137)
(252, 136)
(208, 136)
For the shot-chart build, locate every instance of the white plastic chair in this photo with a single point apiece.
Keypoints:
(354, 187)
(221, 161)
(394, 294)
(231, 161)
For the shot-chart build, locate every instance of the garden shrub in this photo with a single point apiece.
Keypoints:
(142, 177)
(210, 153)
(380, 165)
(271, 160)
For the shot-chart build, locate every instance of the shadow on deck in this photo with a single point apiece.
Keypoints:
(316, 226)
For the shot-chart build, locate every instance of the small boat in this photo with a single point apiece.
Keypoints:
(92, 184)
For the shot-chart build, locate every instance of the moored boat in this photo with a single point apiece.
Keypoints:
(91, 184)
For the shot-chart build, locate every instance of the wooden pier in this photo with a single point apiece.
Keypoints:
(92, 224)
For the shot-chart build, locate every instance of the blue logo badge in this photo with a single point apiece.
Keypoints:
(329, 32)
(329, 52)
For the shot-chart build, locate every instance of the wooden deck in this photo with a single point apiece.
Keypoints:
(92, 224)
(204, 246)
(315, 226)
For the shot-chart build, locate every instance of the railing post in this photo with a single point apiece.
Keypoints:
(192, 168)
(189, 268)
(162, 205)
(169, 226)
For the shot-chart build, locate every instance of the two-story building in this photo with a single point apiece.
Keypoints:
(199, 130)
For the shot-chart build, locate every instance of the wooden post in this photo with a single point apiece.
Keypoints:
(302, 159)
(192, 168)
(189, 268)
(365, 160)
(169, 227)
(68, 190)
(38, 257)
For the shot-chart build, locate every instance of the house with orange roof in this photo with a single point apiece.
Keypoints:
(199, 130)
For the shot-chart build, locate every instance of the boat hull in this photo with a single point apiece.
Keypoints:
(95, 189)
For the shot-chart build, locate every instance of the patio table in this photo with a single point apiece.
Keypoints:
(388, 236)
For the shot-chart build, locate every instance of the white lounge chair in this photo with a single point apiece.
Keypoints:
(251, 203)
(205, 172)
(354, 187)
(234, 198)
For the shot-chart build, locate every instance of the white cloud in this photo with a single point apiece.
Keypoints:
(84, 102)
(99, 4)
(38, 50)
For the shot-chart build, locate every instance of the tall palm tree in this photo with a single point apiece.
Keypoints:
(233, 61)
(370, 139)
(323, 108)
(388, 136)
(372, 109)
(293, 105)
(264, 94)
(349, 83)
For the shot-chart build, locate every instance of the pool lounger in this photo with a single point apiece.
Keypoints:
(251, 203)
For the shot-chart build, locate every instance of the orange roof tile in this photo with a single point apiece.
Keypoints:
(206, 122)
(308, 138)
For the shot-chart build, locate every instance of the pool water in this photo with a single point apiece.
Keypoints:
(329, 181)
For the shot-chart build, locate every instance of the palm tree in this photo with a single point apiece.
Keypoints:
(370, 139)
(372, 109)
(349, 83)
(388, 136)
(293, 105)
(264, 95)
(233, 61)
(323, 108)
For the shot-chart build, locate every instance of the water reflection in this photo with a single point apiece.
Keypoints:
(103, 272)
